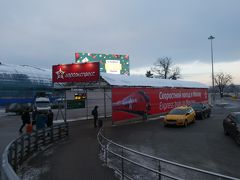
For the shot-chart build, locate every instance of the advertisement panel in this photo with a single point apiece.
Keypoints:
(79, 72)
(109, 63)
(129, 103)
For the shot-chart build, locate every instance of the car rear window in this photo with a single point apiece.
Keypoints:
(178, 111)
(238, 118)
(196, 106)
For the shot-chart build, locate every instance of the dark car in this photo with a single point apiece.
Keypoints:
(18, 108)
(202, 110)
(231, 126)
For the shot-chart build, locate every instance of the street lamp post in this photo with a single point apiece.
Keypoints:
(211, 38)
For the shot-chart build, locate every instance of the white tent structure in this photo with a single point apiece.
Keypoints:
(142, 81)
(100, 92)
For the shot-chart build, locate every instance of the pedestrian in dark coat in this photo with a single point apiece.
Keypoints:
(25, 119)
(41, 120)
(50, 119)
(95, 115)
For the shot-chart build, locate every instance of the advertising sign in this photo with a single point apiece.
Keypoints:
(79, 72)
(129, 103)
(109, 63)
(75, 104)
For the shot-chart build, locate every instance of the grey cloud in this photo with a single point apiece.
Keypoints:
(49, 32)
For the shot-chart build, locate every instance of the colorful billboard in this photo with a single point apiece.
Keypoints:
(131, 103)
(79, 72)
(109, 63)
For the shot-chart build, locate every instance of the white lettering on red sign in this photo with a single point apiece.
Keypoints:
(82, 74)
(167, 96)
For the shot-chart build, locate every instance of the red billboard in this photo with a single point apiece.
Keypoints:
(79, 72)
(129, 103)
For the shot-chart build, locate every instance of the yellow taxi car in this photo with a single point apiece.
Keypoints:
(180, 116)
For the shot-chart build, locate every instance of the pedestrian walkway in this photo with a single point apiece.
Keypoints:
(76, 158)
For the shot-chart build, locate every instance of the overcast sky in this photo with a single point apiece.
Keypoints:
(47, 32)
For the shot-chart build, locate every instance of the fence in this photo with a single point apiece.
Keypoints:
(23, 147)
(131, 164)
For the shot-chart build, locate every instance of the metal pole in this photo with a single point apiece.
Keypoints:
(212, 73)
(106, 153)
(105, 112)
(160, 170)
(211, 38)
(65, 109)
(86, 104)
(122, 166)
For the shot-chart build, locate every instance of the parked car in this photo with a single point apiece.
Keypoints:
(231, 126)
(202, 110)
(18, 108)
(180, 116)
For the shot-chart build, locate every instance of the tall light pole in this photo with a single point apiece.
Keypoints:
(211, 38)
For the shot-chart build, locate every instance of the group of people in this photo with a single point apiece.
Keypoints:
(40, 119)
(43, 119)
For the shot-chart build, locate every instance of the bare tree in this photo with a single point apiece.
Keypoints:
(164, 69)
(149, 74)
(175, 73)
(222, 80)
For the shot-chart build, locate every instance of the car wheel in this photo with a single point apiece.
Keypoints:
(204, 115)
(225, 132)
(165, 124)
(194, 119)
(237, 139)
(185, 123)
(209, 114)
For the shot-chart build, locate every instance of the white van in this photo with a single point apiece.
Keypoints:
(42, 104)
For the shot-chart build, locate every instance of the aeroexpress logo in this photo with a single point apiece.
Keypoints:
(60, 74)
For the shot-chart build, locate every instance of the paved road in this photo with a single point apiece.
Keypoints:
(10, 123)
(77, 158)
(202, 145)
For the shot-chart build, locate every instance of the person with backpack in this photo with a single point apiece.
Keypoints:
(95, 115)
(25, 119)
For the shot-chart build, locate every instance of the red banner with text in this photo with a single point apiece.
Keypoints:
(129, 103)
(79, 72)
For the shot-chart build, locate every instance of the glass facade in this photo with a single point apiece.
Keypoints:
(20, 83)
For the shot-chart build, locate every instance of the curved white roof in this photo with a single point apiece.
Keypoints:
(142, 81)
(34, 73)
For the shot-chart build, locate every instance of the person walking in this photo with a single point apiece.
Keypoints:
(95, 115)
(50, 118)
(41, 120)
(25, 119)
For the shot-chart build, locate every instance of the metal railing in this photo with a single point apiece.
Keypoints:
(20, 149)
(131, 164)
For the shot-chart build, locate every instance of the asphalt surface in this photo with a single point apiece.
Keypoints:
(75, 158)
(202, 145)
(81, 148)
